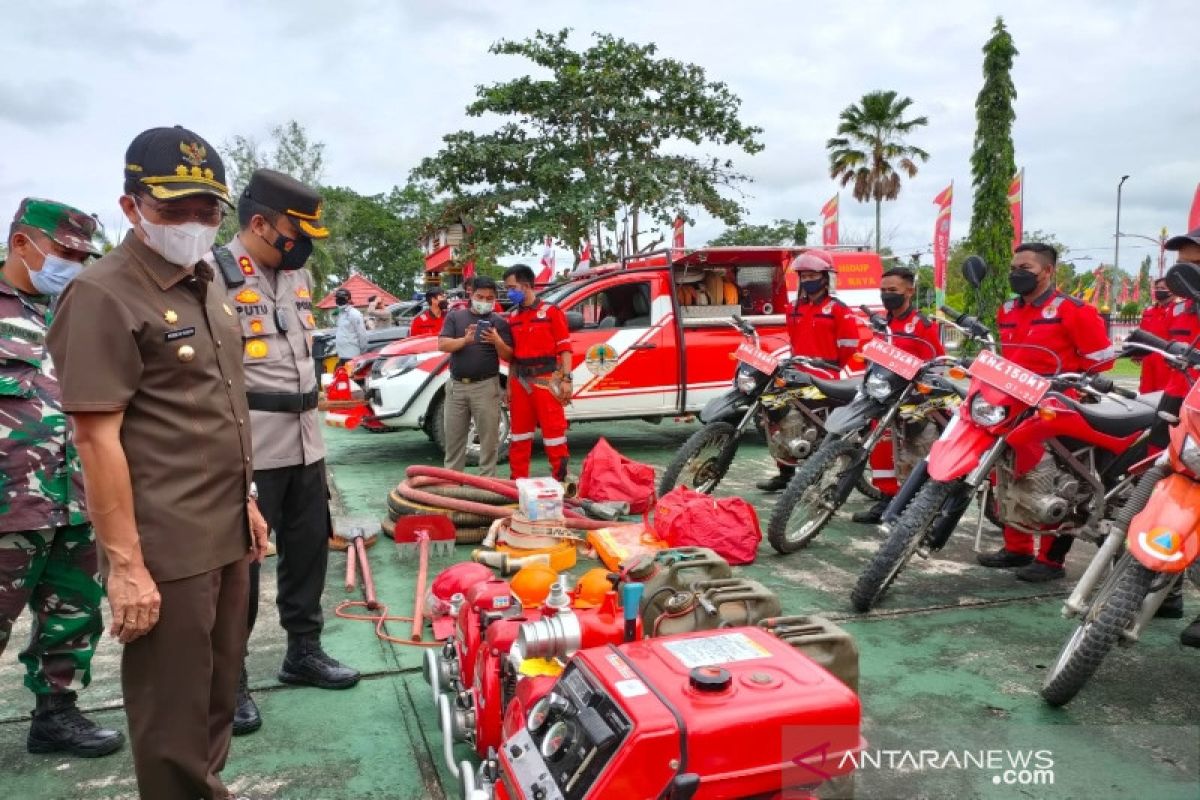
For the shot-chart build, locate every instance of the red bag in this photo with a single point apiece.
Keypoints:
(728, 525)
(608, 475)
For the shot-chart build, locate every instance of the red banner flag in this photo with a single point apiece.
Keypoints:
(829, 221)
(1194, 214)
(1016, 203)
(941, 240)
(546, 273)
(1124, 291)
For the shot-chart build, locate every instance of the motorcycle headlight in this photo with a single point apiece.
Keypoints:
(986, 414)
(877, 386)
(397, 366)
(1190, 455)
(746, 382)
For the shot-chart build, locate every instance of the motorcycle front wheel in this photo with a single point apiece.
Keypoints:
(808, 503)
(902, 542)
(703, 460)
(1113, 610)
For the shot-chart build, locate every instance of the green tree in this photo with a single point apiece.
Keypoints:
(993, 165)
(1144, 283)
(870, 150)
(608, 132)
(781, 233)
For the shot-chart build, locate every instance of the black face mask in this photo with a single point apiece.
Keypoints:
(892, 301)
(295, 252)
(443, 304)
(1022, 282)
(1162, 295)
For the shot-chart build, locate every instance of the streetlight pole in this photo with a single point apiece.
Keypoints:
(1117, 237)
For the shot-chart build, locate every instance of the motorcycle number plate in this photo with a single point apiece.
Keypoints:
(761, 360)
(1010, 378)
(891, 357)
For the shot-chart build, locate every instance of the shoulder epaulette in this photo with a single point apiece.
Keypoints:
(228, 265)
(1075, 301)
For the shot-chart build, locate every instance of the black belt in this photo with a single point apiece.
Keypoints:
(473, 380)
(533, 367)
(282, 402)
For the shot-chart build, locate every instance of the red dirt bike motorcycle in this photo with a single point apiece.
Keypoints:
(1153, 541)
(1057, 463)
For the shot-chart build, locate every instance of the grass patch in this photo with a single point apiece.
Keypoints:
(1125, 368)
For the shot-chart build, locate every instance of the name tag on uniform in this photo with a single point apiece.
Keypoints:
(182, 333)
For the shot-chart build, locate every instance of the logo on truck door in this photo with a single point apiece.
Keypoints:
(601, 359)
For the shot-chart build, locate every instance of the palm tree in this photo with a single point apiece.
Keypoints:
(870, 147)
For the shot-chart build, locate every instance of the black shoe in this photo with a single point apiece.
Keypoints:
(306, 664)
(1172, 607)
(873, 515)
(59, 727)
(246, 718)
(1040, 572)
(775, 483)
(1191, 634)
(1003, 559)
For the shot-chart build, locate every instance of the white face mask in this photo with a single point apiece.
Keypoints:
(482, 307)
(183, 245)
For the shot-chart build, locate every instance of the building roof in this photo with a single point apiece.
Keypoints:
(360, 289)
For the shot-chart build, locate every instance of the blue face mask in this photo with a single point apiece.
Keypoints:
(516, 296)
(55, 274)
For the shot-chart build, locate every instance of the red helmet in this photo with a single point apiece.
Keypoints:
(813, 261)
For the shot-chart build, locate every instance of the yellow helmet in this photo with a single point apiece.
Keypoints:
(532, 584)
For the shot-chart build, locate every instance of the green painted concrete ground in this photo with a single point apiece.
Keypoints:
(951, 662)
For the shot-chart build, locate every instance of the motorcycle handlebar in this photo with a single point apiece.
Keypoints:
(966, 322)
(1178, 349)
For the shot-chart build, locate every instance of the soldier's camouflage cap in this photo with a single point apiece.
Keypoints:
(174, 163)
(66, 226)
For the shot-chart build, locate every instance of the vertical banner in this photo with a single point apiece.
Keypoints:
(585, 258)
(677, 233)
(941, 241)
(546, 274)
(829, 221)
(1016, 203)
(1194, 214)
(469, 269)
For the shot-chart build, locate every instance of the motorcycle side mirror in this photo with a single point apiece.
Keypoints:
(974, 269)
(1183, 279)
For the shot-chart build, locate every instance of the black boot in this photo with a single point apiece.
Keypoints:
(246, 718)
(306, 664)
(873, 515)
(1003, 559)
(59, 727)
(1191, 634)
(777, 483)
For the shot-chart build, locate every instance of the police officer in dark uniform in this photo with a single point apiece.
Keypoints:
(261, 274)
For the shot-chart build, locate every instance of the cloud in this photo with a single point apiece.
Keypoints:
(42, 104)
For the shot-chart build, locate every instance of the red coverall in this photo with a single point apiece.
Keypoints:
(540, 337)
(1073, 330)
(1183, 325)
(1155, 373)
(426, 324)
(904, 328)
(825, 330)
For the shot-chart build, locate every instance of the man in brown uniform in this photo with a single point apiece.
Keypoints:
(149, 362)
(262, 276)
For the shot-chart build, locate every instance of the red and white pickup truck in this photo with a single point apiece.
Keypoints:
(652, 338)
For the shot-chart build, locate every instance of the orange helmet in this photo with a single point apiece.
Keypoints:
(531, 585)
(592, 588)
(813, 261)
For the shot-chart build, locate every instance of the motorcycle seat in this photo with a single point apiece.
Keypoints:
(1112, 418)
(843, 390)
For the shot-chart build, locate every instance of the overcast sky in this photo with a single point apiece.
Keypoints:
(1105, 88)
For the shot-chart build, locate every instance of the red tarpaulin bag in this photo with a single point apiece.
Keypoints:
(728, 525)
(609, 476)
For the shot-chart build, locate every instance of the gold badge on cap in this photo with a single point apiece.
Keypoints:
(185, 353)
(170, 317)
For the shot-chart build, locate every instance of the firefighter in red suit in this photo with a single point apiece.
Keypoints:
(539, 384)
(429, 322)
(819, 326)
(915, 333)
(1155, 320)
(1073, 331)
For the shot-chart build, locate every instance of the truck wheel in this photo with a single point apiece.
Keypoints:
(1114, 609)
(703, 460)
(901, 544)
(435, 423)
(808, 502)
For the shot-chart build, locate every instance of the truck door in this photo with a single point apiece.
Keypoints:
(625, 360)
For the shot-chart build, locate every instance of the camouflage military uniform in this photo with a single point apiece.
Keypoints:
(47, 550)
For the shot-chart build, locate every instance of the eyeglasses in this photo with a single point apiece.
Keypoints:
(175, 214)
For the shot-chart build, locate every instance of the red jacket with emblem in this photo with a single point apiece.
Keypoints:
(426, 324)
(540, 336)
(1183, 325)
(825, 330)
(1064, 325)
(1155, 372)
(912, 326)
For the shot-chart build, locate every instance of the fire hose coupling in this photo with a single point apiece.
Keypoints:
(551, 637)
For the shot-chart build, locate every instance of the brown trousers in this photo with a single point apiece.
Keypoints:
(180, 683)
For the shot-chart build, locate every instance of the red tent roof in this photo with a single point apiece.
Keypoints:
(360, 289)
